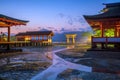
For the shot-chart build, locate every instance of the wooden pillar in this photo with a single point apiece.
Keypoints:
(50, 40)
(73, 39)
(8, 46)
(93, 44)
(42, 40)
(119, 32)
(102, 30)
(102, 35)
(115, 45)
(8, 34)
(68, 40)
(115, 31)
(47, 39)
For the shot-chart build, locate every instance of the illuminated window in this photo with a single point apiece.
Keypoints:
(109, 32)
(97, 33)
(45, 37)
(37, 38)
(33, 38)
(40, 37)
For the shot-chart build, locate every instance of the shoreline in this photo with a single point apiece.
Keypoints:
(27, 64)
(99, 60)
(74, 55)
(23, 65)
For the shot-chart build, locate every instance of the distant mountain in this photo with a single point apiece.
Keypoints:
(60, 37)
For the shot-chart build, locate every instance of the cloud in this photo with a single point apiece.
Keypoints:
(70, 20)
(67, 18)
(39, 27)
(62, 29)
(79, 19)
(73, 23)
(81, 29)
(50, 27)
(61, 15)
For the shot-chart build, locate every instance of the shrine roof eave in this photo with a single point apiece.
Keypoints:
(36, 33)
(112, 11)
(112, 4)
(4, 26)
(100, 17)
(12, 19)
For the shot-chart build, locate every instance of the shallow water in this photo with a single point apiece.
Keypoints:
(35, 57)
(58, 66)
(35, 54)
(54, 71)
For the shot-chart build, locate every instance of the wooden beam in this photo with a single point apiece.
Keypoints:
(12, 21)
(103, 19)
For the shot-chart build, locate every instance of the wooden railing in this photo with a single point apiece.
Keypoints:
(106, 39)
(13, 42)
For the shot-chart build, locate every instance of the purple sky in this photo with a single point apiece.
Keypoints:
(56, 15)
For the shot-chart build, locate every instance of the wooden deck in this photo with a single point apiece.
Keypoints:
(14, 42)
(24, 43)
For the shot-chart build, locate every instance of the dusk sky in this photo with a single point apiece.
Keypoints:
(56, 15)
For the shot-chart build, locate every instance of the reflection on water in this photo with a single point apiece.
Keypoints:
(24, 66)
(49, 54)
(58, 66)
(70, 47)
(37, 55)
(34, 54)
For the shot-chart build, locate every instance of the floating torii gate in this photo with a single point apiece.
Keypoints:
(7, 22)
(69, 36)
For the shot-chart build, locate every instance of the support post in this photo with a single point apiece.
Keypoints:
(102, 35)
(68, 40)
(115, 31)
(73, 39)
(102, 30)
(8, 40)
(119, 32)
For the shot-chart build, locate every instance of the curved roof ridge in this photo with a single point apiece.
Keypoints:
(112, 12)
(7, 17)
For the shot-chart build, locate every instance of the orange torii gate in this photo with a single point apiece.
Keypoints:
(73, 36)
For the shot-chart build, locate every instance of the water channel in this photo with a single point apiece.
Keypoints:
(58, 66)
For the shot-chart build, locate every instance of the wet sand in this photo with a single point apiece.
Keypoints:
(25, 65)
(106, 63)
(29, 65)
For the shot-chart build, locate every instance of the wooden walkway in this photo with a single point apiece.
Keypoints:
(23, 43)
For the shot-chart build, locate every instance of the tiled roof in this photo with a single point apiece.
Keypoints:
(35, 33)
(10, 18)
(112, 11)
(112, 5)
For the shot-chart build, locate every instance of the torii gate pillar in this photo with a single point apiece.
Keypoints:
(73, 36)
